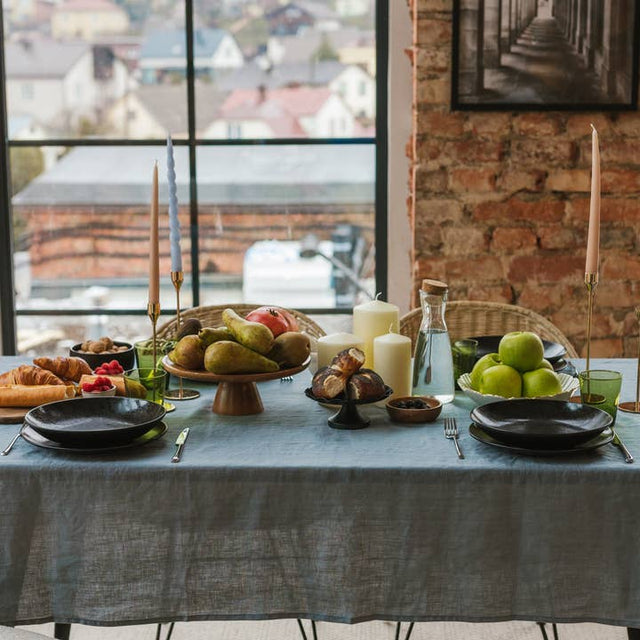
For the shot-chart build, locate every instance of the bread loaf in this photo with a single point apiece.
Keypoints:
(366, 385)
(348, 361)
(21, 395)
(328, 383)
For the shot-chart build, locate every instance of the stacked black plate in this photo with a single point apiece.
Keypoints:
(541, 426)
(90, 425)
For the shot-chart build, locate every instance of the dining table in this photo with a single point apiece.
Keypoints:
(278, 515)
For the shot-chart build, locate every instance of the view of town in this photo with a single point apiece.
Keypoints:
(116, 69)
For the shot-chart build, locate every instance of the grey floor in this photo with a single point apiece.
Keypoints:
(288, 630)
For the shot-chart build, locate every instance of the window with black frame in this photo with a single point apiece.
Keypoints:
(280, 167)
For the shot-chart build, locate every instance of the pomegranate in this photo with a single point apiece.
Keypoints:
(272, 317)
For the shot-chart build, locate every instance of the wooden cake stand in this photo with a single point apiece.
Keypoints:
(237, 394)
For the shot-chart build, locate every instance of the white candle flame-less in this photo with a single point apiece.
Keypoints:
(373, 319)
(332, 344)
(392, 358)
(174, 223)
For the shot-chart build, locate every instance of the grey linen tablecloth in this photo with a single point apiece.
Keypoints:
(278, 515)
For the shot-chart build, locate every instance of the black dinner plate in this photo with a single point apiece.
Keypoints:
(604, 437)
(94, 421)
(152, 433)
(541, 424)
(489, 344)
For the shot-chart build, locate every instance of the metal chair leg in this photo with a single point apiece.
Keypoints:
(314, 631)
(409, 630)
(61, 631)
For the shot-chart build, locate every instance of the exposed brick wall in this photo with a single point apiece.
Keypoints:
(500, 201)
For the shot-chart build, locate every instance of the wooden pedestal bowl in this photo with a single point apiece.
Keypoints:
(237, 394)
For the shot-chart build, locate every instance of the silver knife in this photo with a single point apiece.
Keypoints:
(627, 454)
(180, 440)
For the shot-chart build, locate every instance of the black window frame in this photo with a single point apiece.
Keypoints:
(8, 311)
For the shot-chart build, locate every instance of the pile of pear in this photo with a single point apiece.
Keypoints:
(240, 346)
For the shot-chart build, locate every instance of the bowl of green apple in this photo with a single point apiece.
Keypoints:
(517, 370)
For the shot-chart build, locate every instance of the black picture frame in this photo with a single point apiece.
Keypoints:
(545, 55)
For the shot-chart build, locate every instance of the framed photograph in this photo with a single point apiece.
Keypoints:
(545, 55)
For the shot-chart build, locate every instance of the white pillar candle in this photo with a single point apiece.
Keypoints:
(372, 319)
(392, 358)
(329, 346)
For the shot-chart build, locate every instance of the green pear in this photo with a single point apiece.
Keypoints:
(228, 357)
(188, 353)
(253, 335)
(209, 335)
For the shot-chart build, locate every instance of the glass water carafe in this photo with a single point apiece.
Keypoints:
(433, 364)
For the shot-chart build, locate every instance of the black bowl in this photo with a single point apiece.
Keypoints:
(126, 358)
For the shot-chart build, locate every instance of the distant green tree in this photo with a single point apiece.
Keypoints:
(325, 51)
(27, 163)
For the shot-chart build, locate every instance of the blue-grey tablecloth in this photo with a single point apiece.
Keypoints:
(278, 515)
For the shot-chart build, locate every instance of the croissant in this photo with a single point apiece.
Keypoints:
(67, 368)
(27, 374)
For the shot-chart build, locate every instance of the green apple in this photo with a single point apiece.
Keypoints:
(521, 350)
(489, 360)
(546, 364)
(501, 380)
(540, 382)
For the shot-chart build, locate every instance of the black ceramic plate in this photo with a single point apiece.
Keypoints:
(94, 421)
(37, 439)
(489, 344)
(605, 437)
(540, 423)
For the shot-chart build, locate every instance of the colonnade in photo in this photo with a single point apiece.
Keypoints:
(598, 33)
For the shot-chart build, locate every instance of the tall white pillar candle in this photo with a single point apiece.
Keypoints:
(372, 319)
(392, 358)
(330, 345)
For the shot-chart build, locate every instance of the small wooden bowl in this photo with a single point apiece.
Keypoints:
(428, 414)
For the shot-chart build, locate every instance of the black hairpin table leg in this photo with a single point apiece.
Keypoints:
(61, 630)
(409, 630)
(633, 633)
(313, 629)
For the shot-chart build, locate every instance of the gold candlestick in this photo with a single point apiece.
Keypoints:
(153, 311)
(634, 407)
(591, 281)
(177, 278)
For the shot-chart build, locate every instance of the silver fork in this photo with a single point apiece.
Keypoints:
(451, 432)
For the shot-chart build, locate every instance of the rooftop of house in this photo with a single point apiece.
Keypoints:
(172, 43)
(89, 6)
(306, 73)
(167, 103)
(297, 101)
(42, 57)
(233, 175)
(318, 10)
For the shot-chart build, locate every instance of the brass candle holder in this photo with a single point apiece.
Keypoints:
(634, 407)
(153, 311)
(177, 278)
(591, 281)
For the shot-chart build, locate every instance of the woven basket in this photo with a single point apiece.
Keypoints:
(212, 317)
(466, 318)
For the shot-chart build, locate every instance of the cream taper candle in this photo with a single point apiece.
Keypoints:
(372, 319)
(392, 359)
(174, 222)
(154, 259)
(330, 345)
(593, 239)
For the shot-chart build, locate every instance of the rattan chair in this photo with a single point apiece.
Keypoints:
(212, 317)
(466, 318)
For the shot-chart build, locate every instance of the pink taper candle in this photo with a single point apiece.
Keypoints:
(593, 239)
(154, 260)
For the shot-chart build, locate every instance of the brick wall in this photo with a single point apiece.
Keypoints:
(500, 200)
